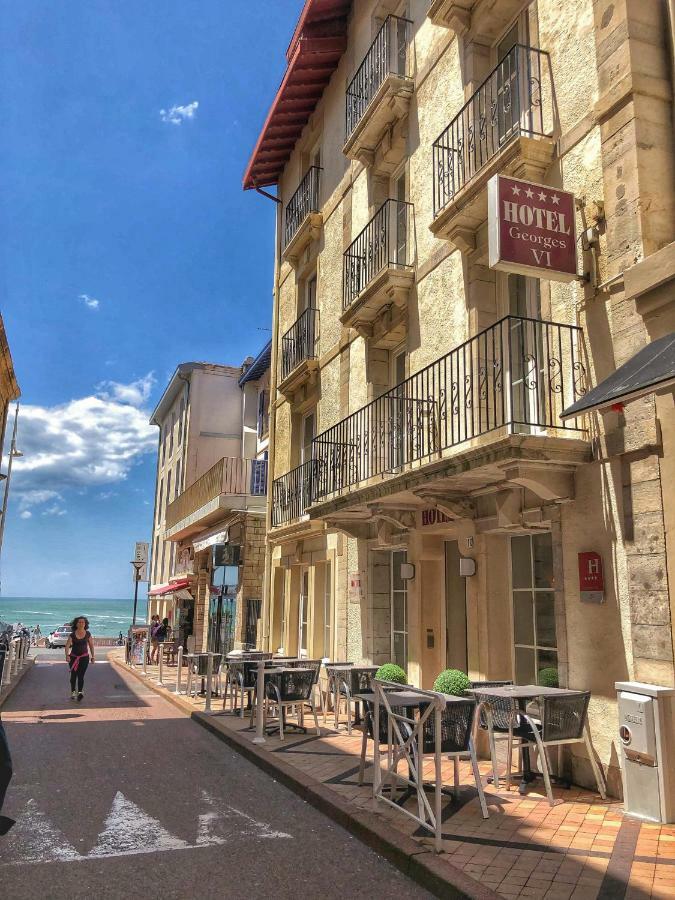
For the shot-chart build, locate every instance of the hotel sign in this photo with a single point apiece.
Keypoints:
(531, 229)
(591, 579)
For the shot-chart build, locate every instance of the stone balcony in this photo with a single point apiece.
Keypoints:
(303, 221)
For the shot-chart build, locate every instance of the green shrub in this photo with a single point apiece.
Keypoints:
(452, 681)
(548, 677)
(391, 672)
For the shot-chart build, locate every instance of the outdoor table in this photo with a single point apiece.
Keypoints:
(523, 694)
(348, 679)
(268, 676)
(333, 673)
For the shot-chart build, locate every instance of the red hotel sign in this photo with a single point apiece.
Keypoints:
(531, 229)
(591, 579)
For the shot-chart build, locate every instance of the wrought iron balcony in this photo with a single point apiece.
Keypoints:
(380, 261)
(230, 478)
(515, 100)
(303, 205)
(515, 377)
(291, 494)
(300, 343)
(381, 87)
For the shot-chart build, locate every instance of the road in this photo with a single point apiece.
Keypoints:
(124, 796)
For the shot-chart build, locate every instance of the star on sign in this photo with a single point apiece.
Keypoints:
(555, 199)
(529, 193)
(515, 189)
(542, 196)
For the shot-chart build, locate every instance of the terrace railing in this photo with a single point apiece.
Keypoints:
(517, 375)
(303, 202)
(513, 100)
(292, 493)
(386, 241)
(230, 475)
(300, 342)
(389, 54)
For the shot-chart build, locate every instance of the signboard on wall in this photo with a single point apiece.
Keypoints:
(591, 578)
(531, 229)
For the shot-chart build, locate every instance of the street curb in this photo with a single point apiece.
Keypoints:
(9, 689)
(423, 866)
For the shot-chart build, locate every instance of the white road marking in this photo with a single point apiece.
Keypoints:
(128, 831)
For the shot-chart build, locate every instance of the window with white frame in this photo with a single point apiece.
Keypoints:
(399, 610)
(328, 612)
(534, 631)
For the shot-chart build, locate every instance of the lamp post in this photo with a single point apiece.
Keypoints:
(13, 453)
(138, 566)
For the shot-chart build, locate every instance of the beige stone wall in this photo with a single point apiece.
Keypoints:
(614, 150)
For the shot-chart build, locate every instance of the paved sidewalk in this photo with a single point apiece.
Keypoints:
(583, 848)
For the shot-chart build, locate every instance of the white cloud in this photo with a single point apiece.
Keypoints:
(135, 393)
(54, 510)
(178, 114)
(92, 441)
(106, 495)
(89, 302)
(26, 514)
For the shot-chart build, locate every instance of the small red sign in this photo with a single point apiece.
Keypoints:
(590, 572)
(531, 229)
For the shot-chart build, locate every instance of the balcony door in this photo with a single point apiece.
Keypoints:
(512, 80)
(396, 408)
(527, 357)
(400, 194)
(308, 434)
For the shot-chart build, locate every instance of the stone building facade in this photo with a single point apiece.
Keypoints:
(428, 500)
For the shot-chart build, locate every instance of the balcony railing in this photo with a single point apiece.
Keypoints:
(517, 375)
(230, 475)
(386, 241)
(300, 342)
(387, 55)
(292, 493)
(303, 202)
(508, 104)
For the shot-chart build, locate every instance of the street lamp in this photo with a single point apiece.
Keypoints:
(13, 454)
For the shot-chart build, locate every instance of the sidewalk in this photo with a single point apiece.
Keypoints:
(583, 848)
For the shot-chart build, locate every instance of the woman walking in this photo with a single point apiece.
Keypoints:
(79, 653)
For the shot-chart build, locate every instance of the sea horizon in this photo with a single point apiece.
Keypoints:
(107, 615)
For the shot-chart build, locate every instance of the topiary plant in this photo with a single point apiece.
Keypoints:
(453, 682)
(548, 677)
(391, 672)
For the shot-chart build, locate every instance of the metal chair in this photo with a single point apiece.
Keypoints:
(494, 716)
(198, 668)
(369, 730)
(355, 681)
(291, 687)
(243, 675)
(329, 693)
(564, 720)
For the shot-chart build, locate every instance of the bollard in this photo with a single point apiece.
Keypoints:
(209, 677)
(7, 668)
(161, 665)
(145, 657)
(10, 663)
(179, 669)
(259, 705)
(15, 671)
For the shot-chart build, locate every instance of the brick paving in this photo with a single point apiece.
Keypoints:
(583, 848)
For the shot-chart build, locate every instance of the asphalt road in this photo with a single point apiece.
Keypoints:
(123, 796)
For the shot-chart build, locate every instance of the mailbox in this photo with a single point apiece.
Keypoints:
(646, 732)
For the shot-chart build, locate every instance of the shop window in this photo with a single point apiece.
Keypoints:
(399, 610)
(534, 631)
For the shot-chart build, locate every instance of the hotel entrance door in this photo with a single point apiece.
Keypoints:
(456, 655)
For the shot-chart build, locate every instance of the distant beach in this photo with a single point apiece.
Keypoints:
(106, 617)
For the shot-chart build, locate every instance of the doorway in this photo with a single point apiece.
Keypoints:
(456, 650)
(303, 614)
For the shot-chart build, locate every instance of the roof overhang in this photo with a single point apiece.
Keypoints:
(650, 370)
(318, 42)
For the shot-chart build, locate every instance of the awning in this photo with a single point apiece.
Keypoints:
(215, 537)
(169, 588)
(652, 369)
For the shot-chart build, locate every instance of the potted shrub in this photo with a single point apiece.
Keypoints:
(391, 672)
(453, 682)
(548, 677)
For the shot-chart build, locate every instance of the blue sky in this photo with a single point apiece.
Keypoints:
(127, 247)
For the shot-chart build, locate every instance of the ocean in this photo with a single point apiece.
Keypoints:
(106, 617)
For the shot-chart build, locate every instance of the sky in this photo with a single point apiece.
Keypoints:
(128, 246)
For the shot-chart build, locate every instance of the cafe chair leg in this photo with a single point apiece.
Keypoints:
(543, 761)
(493, 757)
(349, 712)
(336, 708)
(479, 783)
(362, 763)
(509, 759)
(455, 787)
(316, 721)
(597, 771)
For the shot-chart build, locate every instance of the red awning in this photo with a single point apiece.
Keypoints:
(169, 588)
(319, 40)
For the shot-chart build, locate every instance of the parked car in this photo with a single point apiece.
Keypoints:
(59, 637)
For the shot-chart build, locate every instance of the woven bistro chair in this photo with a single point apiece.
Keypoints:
(495, 716)
(243, 678)
(287, 688)
(198, 668)
(328, 694)
(349, 684)
(564, 720)
(457, 721)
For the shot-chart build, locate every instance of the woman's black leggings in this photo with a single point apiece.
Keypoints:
(79, 675)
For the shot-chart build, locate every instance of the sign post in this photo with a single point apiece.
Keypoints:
(140, 566)
(531, 229)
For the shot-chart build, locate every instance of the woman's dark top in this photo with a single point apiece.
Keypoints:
(80, 645)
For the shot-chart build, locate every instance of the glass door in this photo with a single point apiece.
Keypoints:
(399, 610)
(534, 631)
(398, 413)
(456, 652)
(303, 614)
(528, 412)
